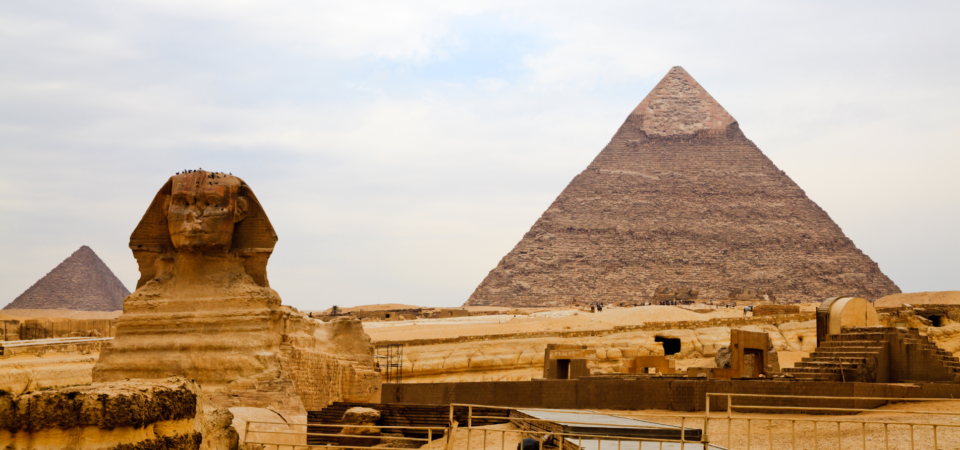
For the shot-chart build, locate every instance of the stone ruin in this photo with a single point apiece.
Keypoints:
(569, 362)
(854, 346)
(681, 199)
(203, 310)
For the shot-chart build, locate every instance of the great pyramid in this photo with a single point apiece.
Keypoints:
(81, 282)
(680, 204)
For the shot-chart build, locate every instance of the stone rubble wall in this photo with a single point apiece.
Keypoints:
(775, 310)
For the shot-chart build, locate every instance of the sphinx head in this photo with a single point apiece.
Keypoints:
(204, 213)
(202, 210)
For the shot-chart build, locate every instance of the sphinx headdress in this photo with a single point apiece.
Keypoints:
(253, 237)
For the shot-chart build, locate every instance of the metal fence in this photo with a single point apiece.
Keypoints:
(745, 421)
(564, 441)
(283, 435)
(896, 434)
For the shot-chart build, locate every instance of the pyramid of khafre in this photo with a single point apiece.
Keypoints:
(680, 204)
(81, 282)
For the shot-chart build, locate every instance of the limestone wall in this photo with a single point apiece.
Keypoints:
(677, 394)
(519, 357)
(17, 329)
(49, 365)
(61, 347)
(18, 375)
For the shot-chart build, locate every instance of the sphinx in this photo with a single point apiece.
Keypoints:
(203, 309)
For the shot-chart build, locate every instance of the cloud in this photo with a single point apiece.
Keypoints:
(401, 149)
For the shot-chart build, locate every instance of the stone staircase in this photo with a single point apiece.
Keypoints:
(878, 354)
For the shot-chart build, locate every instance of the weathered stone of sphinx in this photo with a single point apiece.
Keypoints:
(203, 309)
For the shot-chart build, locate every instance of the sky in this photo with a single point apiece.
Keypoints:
(401, 149)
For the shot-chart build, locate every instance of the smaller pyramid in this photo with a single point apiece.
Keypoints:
(81, 282)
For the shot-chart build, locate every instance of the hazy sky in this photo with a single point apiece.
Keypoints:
(402, 148)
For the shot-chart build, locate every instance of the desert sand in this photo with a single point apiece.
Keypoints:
(377, 307)
(919, 298)
(546, 320)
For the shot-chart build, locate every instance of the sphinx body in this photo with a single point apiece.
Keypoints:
(204, 310)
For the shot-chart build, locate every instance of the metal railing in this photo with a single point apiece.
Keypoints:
(863, 422)
(793, 432)
(255, 435)
(561, 437)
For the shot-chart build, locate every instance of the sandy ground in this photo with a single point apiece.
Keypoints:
(919, 298)
(21, 314)
(554, 320)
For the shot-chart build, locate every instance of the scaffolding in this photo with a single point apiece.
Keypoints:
(389, 360)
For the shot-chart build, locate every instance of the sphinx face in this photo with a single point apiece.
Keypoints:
(202, 210)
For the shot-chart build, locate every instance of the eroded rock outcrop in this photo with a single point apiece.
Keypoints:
(136, 414)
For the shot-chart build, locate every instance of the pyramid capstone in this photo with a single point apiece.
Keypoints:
(81, 282)
(680, 204)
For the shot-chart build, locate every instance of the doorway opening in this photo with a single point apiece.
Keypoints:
(671, 346)
(563, 369)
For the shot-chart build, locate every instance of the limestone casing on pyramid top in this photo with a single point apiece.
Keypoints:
(678, 105)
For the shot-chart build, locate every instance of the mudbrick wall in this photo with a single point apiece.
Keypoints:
(654, 393)
(681, 200)
(321, 378)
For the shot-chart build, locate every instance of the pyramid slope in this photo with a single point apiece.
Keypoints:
(81, 282)
(678, 201)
